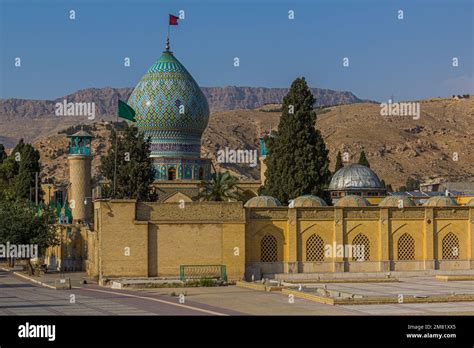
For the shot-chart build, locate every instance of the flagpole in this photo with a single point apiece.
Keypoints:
(168, 37)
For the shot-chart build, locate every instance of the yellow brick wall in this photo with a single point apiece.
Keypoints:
(161, 237)
(123, 244)
(159, 248)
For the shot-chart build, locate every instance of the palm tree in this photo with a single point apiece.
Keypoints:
(220, 188)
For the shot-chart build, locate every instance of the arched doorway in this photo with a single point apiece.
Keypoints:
(172, 173)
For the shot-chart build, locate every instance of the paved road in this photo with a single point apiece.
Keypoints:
(21, 297)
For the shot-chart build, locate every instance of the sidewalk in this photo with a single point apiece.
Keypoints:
(48, 279)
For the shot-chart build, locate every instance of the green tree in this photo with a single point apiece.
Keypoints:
(339, 163)
(221, 187)
(3, 153)
(29, 165)
(412, 184)
(20, 223)
(363, 159)
(297, 158)
(18, 171)
(135, 171)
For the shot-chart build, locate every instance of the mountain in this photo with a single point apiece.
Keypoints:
(440, 144)
(28, 119)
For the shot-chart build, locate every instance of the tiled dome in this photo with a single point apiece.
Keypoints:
(170, 108)
(440, 201)
(352, 201)
(394, 201)
(262, 202)
(309, 201)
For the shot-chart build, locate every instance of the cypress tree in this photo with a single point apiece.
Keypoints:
(3, 154)
(363, 159)
(339, 163)
(135, 171)
(297, 158)
(28, 165)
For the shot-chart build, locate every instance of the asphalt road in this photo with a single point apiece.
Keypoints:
(21, 297)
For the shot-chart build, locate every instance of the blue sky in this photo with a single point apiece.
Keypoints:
(409, 58)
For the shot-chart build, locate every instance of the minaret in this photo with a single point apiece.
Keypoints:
(263, 155)
(80, 192)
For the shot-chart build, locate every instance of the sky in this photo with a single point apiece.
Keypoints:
(409, 58)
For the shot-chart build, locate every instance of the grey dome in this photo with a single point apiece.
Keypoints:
(262, 202)
(355, 176)
(394, 201)
(308, 201)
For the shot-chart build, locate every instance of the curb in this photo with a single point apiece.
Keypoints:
(258, 287)
(28, 278)
(377, 300)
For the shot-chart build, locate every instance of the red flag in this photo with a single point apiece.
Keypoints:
(173, 20)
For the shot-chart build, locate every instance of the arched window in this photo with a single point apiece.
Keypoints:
(314, 248)
(361, 248)
(450, 247)
(172, 173)
(268, 249)
(201, 173)
(406, 247)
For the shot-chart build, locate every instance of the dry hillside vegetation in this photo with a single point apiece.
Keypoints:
(396, 147)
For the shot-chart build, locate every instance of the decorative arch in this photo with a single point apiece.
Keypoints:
(450, 247)
(361, 248)
(406, 248)
(268, 249)
(268, 230)
(314, 248)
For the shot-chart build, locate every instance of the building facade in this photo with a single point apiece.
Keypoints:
(363, 231)
(133, 239)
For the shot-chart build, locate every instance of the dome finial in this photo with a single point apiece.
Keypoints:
(168, 43)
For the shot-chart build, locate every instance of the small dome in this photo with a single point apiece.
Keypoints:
(262, 202)
(309, 201)
(82, 133)
(355, 176)
(352, 201)
(440, 201)
(394, 201)
(470, 203)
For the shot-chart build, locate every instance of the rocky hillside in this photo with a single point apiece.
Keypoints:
(30, 119)
(396, 147)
